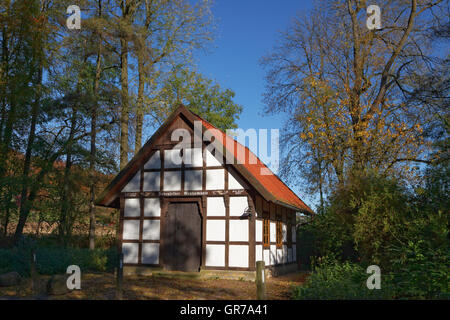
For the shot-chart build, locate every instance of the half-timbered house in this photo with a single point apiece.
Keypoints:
(195, 199)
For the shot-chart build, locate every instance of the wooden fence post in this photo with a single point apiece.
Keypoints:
(33, 272)
(119, 278)
(260, 281)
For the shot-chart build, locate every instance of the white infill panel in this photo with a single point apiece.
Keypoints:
(150, 230)
(193, 157)
(259, 231)
(215, 230)
(284, 232)
(172, 181)
(238, 206)
(267, 257)
(273, 231)
(215, 179)
(193, 179)
(131, 229)
(134, 184)
(154, 162)
(132, 208)
(285, 254)
(294, 234)
(290, 255)
(233, 183)
(211, 161)
(259, 252)
(130, 252)
(151, 181)
(238, 230)
(172, 158)
(152, 207)
(273, 254)
(294, 253)
(215, 206)
(215, 255)
(150, 253)
(238, 256)
(279, 255)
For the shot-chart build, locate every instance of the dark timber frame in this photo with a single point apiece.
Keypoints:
(262, 204)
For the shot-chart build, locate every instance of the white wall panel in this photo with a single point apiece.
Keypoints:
(151, 181)
(284, 231)
(273, 254)
(238, 230)
(172, 180)
(131, 229)
(150, 253)
(130, 252)
(132, 208)
(150, 230)
(215, 255)
(211, 161)
(134, 184)
(294, 253)
(238, 206)
(215, 230)
(215, 179)
(290, 255)
(152, 207)
(154, 162)
(193, 179)
(172, 158)
(294, 234)
(273, 231)
(259, 231)
(233, 183)
(285, 254)
(259, 252)
(215, 206)
(279, 255)
(238, 256)
(267, 257)
(193, 157)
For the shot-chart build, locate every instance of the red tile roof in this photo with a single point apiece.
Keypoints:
(270, 181)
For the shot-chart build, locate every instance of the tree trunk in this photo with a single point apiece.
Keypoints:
(124, 114)
(93, 146)
(25, 205)
(64, 225)
(140, 104)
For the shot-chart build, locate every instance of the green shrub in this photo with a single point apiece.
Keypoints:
(421, 272)
(55, 260)
(334, 280)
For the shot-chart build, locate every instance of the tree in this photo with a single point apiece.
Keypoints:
(342, 86)
(201, 95)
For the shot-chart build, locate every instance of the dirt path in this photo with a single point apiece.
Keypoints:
(102, 286)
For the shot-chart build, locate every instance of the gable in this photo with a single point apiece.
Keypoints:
(158, 152)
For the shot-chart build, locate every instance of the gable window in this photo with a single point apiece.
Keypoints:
(266, 233)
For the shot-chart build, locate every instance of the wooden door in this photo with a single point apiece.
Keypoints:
(182, 237)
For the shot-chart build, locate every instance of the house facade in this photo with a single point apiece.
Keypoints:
(195, 199)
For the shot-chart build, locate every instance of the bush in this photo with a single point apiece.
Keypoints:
(55, 260)
(334, 280)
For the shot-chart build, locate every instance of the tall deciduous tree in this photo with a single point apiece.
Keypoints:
(343, 84)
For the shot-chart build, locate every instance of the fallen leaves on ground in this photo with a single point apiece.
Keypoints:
(103, 286)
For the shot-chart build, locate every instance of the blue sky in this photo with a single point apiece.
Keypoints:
(246, 31)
